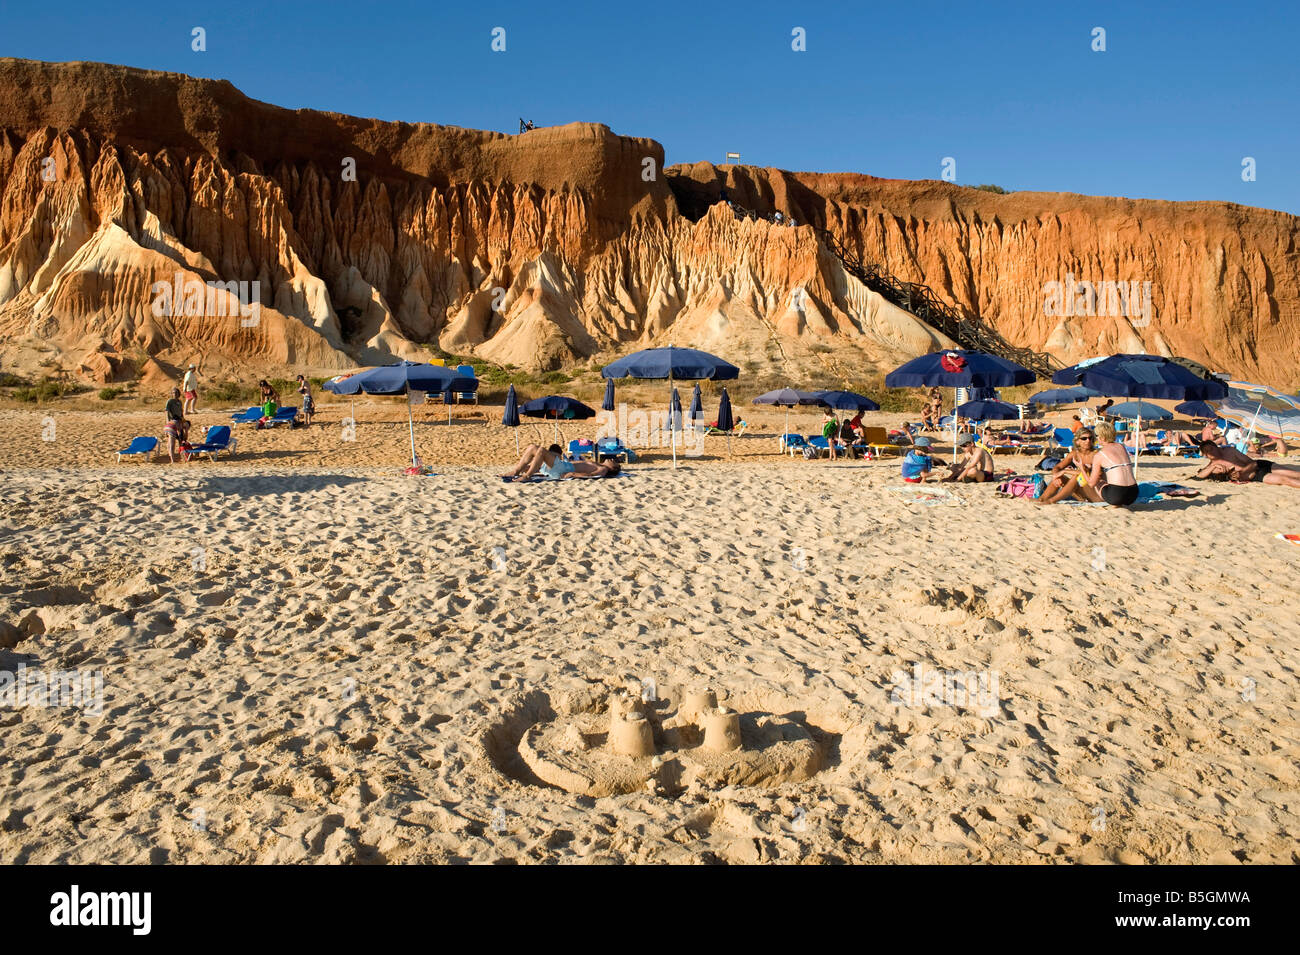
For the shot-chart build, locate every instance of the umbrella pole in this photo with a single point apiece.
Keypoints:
(410, 420)
(1137, 447)
(672, 429)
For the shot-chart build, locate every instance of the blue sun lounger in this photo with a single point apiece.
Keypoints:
(138, 446)
(247, 417)
(218, 439)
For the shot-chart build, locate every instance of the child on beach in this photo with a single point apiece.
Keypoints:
(308, 403)
(917, 463)
(830, 430)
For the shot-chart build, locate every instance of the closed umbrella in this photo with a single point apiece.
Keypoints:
(697, 406)
(510, 417)
(608, 403)
(674, 364)
(725, 420)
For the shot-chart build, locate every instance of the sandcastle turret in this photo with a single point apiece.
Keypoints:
(721, 730)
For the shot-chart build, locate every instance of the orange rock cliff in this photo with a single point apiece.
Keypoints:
(122, 191)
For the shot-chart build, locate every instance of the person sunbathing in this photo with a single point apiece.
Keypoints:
(1112, 470)
(1070, 476)
(1225, 462)
(975, 464)
(550, 463)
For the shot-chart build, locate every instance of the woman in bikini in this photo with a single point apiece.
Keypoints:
(1112, 470)
(1070, 477)
(550, 463)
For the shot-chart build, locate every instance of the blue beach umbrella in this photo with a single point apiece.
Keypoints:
(787, 398)
(608, 403)
(846, 401)
(725, 420)
(402, 378)
(697, 405)
(675, 411)
(510, 417)
(556, 407)
(673, 364)
(959, 369)
(988, 411)
(1141, 376)
(1130, 410)
(1064, 396)
(1196, 409)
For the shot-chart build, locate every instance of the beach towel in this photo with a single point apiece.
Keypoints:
(538, 479)
(929, 495)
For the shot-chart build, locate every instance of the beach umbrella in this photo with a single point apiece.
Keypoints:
(404, 377)
(608, 403)
(697, 406)
(674, 364)
(787, 398)
(675, 411)
(1064, 396)
(725, 420)
(1130, 410)
(959, 369)
(984, 393)
(846, 401)
(1263, 410)
(510, 417)
(1141, 376)
(1196, 409)
(556, 407)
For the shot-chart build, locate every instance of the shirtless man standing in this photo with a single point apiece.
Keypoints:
(1230, 463)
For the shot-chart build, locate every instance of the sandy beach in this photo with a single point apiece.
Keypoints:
(308, 657)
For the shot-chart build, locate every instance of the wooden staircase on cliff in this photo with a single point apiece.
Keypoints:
(969, 333)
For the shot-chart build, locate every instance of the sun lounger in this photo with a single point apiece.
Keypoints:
(791, 443)
(580, 448)
(282, 416)
(138, 446)
(247, 417)
(819, 444)
(614, 448)
(218, 439)
(468, 371)
(877, 439)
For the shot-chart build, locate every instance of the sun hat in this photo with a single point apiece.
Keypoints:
(922, 442)
(964, 439)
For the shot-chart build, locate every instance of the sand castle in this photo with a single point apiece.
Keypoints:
(668, 745)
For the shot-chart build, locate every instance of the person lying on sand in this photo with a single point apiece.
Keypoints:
(1070, 476)
(975, 464)
(1229, 463)
(1112, 470)
(550, 463)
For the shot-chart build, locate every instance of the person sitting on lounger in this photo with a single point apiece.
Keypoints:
(975, 464)
(1070, 476)
(1210, 432)
(1229, 463)
(1112, 470)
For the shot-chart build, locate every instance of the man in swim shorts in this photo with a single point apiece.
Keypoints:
(975, 464)
(1230, 463)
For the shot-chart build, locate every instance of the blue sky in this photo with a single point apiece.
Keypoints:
(1012, 91)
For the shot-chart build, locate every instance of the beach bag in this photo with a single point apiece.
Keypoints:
(1048, 463)
(810, 453)
(1020, 487)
